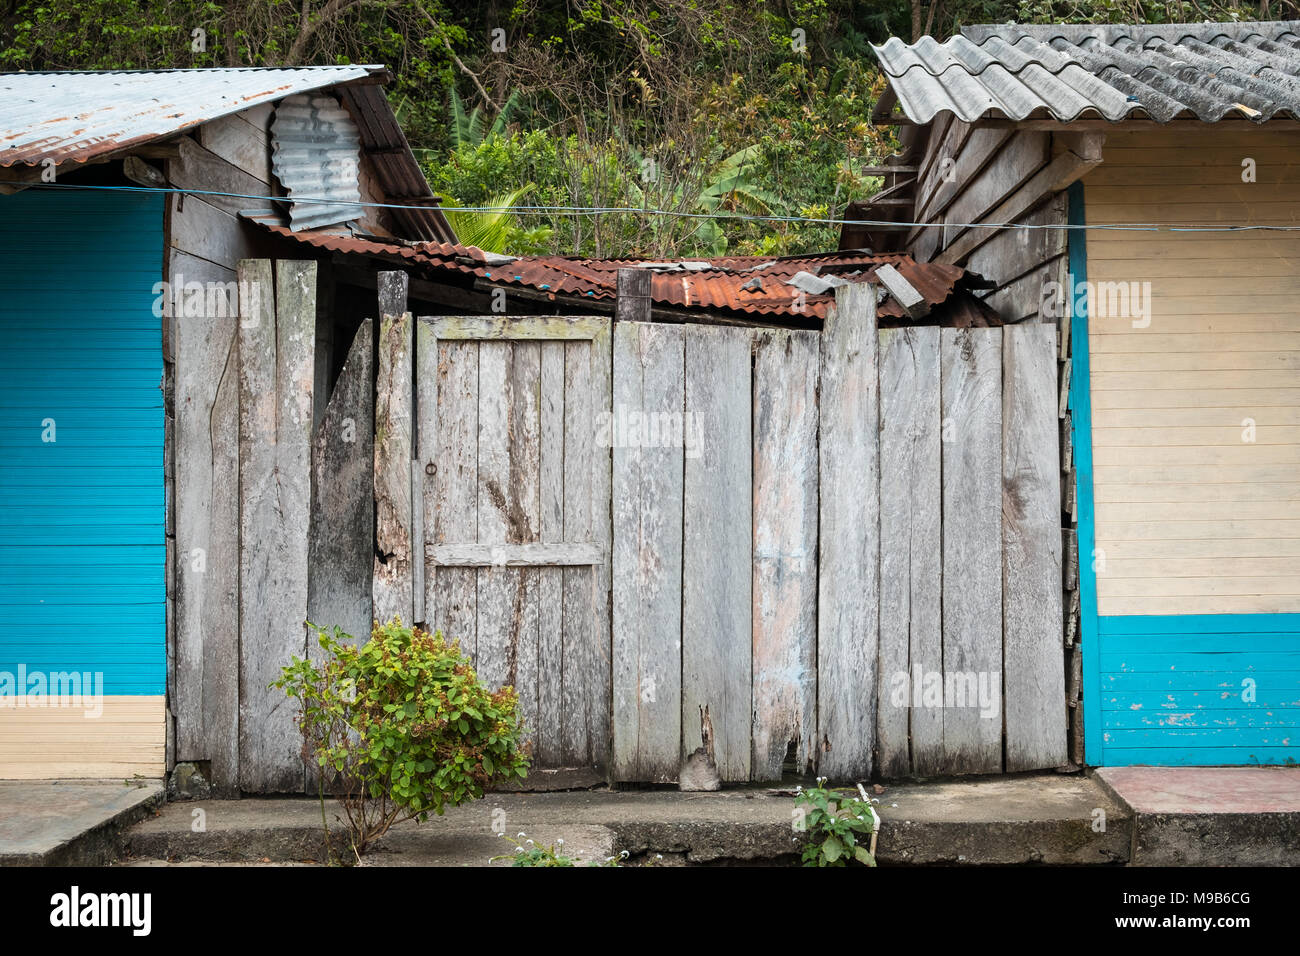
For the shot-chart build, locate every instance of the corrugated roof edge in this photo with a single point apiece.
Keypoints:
(1076, 32)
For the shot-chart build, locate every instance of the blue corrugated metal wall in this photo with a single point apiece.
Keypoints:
(82, 547)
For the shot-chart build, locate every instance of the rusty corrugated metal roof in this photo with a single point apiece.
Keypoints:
(747, 285)
(79, 116)
(740, 285)
(415, 252)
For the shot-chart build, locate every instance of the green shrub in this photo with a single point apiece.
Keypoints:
(838, 827)
(531, 853)
(401, 726)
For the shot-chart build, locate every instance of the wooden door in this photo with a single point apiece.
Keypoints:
(516, 492)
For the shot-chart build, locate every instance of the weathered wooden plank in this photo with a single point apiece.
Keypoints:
(647, 558)
(546, 327)
(496, 585)
(581, 656)
(341, 548)
(394, 393)
(524, 502)
(206, 232)
(531, 555)
(241, 140)
(206, 701)
(1013, 252)
(718, 568)
(425, 448)
(1023, 299)
(910, 552)
(452, 497)
(550, 599)
(198, 168)
(849, 543)
(276, 370)
(784, 613)
(1031, 551)
(600, 356)
(971, 388)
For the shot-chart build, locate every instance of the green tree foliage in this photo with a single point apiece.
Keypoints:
(566, 100)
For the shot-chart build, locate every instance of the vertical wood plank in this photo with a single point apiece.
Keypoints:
(718, 558)
(581, 660)
(1031, 551)
(455, 491)
(341, 550)
(909, 734)
(848, 587)
(550, 599)
(392, 580)
(600, 733)
(426, 385)
(494, 583)
(647, 554)
(523, 496)
(785, 552)
(971, 370)
(275, 423)
(206, 702)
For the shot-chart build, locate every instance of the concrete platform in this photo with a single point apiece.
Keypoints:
(1034, 819)
(1209, 816)
(72, 823)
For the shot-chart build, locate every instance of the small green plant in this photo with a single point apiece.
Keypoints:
(839, 827)
(400, 727)
(530, 853)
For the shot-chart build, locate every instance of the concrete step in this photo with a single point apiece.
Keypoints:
(1033, 819)
(70, 823)
(1209, 816)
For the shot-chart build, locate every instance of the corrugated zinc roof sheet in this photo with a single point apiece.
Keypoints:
(78, 116)
(1204, 71)
(316, 154)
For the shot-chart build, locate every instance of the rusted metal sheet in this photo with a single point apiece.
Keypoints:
(1203, 71)
(744, 286)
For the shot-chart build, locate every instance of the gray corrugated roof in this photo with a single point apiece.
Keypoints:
(1204, 71)
(77, 116)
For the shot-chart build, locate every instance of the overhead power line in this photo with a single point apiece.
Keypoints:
(726, 217)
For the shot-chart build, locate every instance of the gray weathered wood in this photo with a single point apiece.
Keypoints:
(276, 367)
(550, 597)
(718, 568)
(647, 558)
(849, 543)
(206, 701)
(579, 686)
(478, 327)
(600, 356)
(910, 553)
(495, 584)
(392, 580)
(341, 550)
(971, 377)
(786, 366)
(1031, 551)
(451, 495)
(529, 555)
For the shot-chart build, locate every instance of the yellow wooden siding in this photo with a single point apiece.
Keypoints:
(127, 739)
(1191, 518)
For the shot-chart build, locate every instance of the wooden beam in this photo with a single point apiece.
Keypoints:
(1064, 169)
